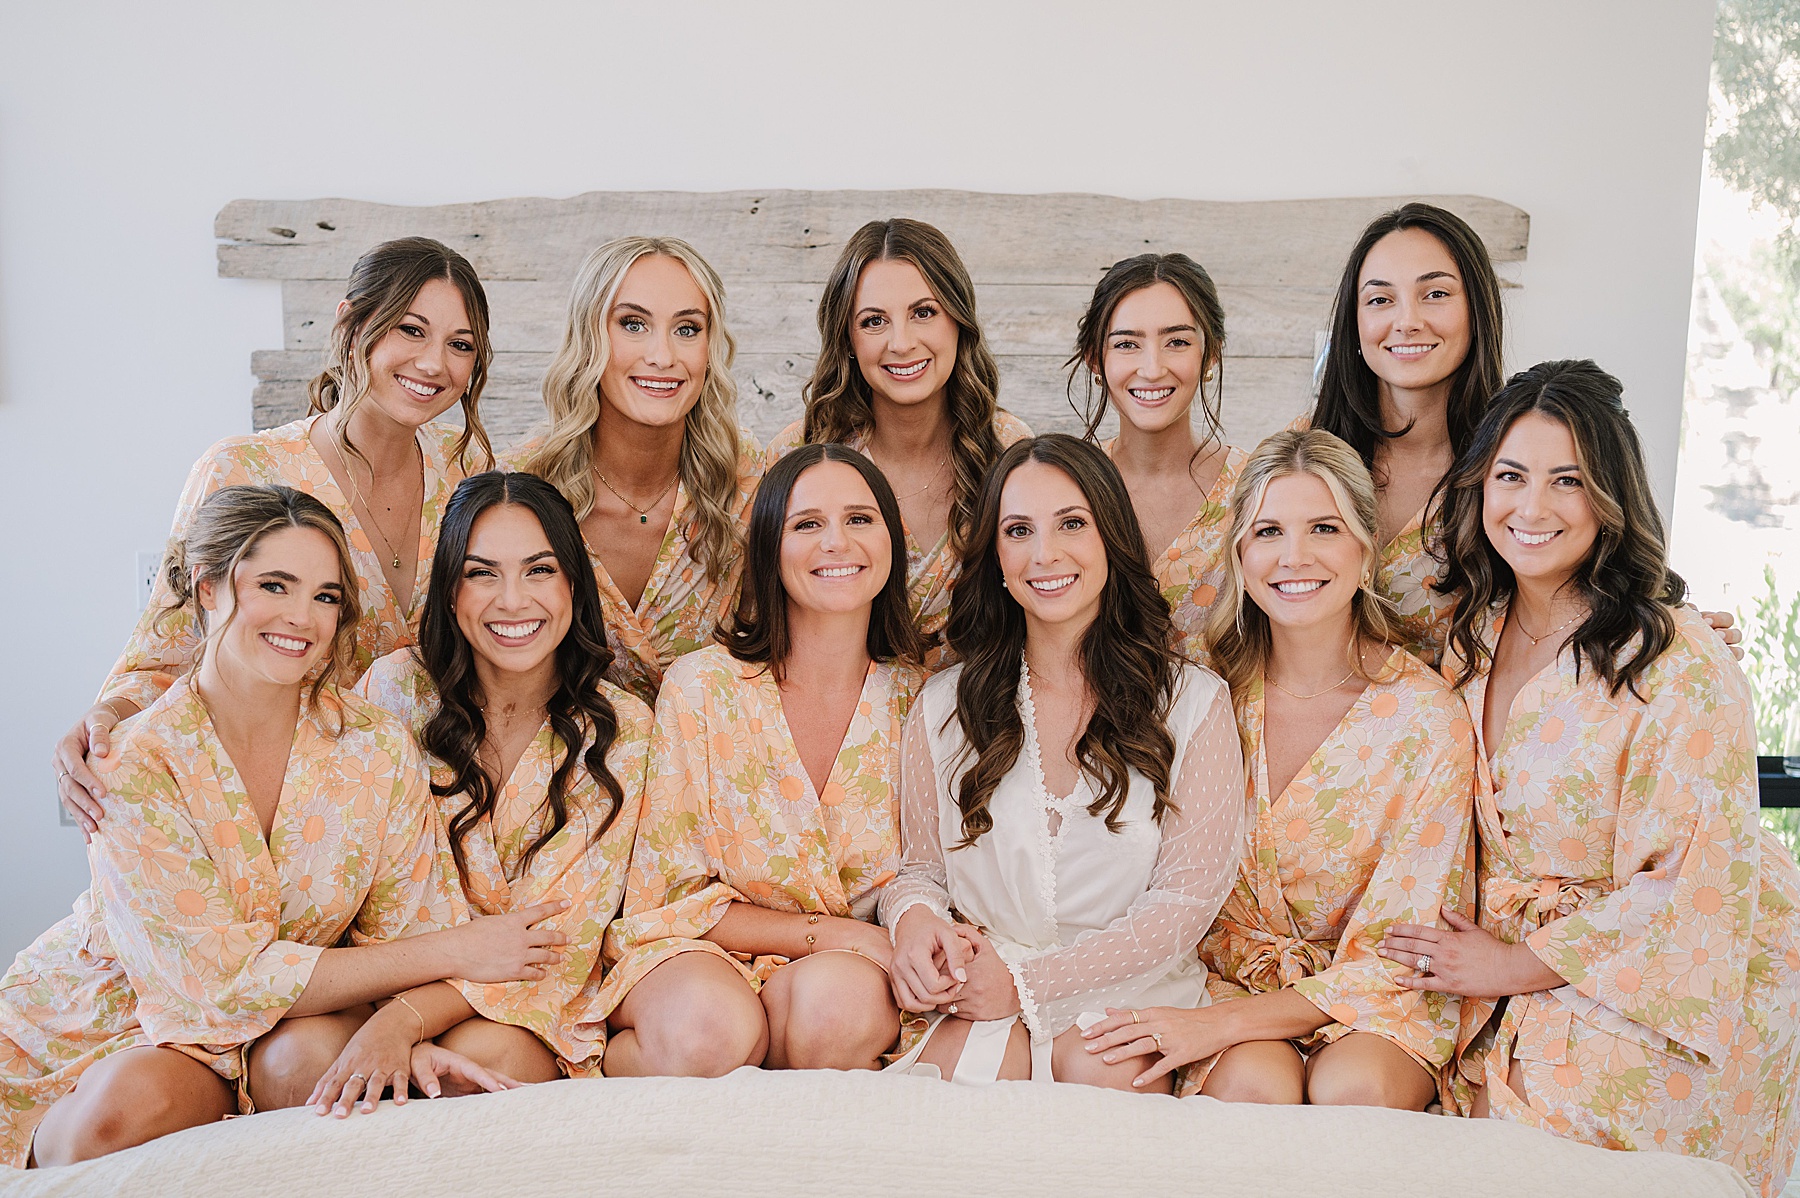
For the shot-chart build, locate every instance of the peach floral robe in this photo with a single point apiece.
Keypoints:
(1620, 840)
(197, 934)
(929, 573)
(574, 865)
(163, 646)
(682, 603)
(1404, 572)
(1375, 829)
(730, 815)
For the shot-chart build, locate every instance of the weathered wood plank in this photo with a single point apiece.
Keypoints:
(794, 236)
(1261, 394)
(1040, 318)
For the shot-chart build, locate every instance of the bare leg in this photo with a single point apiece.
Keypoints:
(501, 1048)
(287, 1063)
(945, 1047)
(1266, 1071)
(692, 1016)
(131, 1098)
(1070, 1061)
(830, 1011)
(1363, 1069)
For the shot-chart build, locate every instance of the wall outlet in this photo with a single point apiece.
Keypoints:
(149, 563)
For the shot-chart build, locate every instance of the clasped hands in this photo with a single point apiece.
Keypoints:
(950, 968)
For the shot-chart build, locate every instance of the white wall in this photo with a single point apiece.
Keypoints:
(124, 127)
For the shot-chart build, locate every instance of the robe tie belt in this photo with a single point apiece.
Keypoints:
(1271, 961)
(1541, 900)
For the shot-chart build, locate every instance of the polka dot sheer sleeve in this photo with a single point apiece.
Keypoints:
(921, 879)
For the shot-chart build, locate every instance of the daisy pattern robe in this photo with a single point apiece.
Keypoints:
(166, 643)
(197, 934)
(682, 603)
(575, 865)
(1620, 840)
(730, 815)
(1376, 829)
(929, 573)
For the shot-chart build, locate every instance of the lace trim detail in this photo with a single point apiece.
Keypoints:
(1028, 1008)
(908, 903)
(1049, 846)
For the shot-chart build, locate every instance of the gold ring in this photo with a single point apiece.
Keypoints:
(952, 1008)
(1157, 1036)
(1134, 1017)
(361, 1077)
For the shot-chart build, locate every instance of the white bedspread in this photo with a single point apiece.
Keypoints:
(840, 1135)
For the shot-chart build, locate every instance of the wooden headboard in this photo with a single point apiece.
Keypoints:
(1035, 260)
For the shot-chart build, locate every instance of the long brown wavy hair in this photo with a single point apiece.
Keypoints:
(1238, 640)
(1128, 655)
(1349, 402)
(758, 629)
(1088, 362)
(581, 716)
(381, 288)
(839, 404)
(1625, 580)
(226, 529)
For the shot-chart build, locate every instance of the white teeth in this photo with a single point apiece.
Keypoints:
(291, 644)
(838, 571)
(658, 384)
(1153, 395)
(1533, 538)
(515, 631)
(1410, 351)
(1298, 586)
(907, 372)
(419, 389)
(1050, 586)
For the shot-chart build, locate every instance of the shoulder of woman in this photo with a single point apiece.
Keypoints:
(514, 457)
(1197, 688)
(1696, 655)
(704, 669)
(399, 684)
(791, 437)
(633, 714)
(368, 728)
(242, 450)
(1009, 428)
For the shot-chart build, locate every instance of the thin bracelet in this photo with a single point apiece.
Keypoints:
(401, 999)
(812, 941)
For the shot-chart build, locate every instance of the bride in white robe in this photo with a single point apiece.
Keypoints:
(1049, 915)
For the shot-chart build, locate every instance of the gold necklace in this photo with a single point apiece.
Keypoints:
(643, 513)
(1538, 640)
(935, 471)
(1290, 694)
(356, 494)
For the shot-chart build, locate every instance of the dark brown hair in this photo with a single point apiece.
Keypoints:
(1121, 279)
(1625, 579)
(581, 716)
(837, 397)
(1128, 655)
(382, 286)
(1349, 403)
(758, 630)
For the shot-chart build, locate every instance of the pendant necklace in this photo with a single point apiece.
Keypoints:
(1538, 640)
(643, 513)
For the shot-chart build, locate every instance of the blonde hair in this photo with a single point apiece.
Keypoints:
(709, 445)
(382, 286)
(1237, 630)
(227, 528)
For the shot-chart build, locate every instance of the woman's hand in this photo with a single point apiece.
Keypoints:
(1723, 624)
(510, 947)
(77, 784)
(378, 1055)
(990, 991)
(1175, 1036)
(1466, 960)
(929, 956)
(433, 1064)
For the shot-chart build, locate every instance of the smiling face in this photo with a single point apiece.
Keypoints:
(1534, 506)
(836, 553)
(905, 342)
(1050, 551)
(1412, 317)
(1302, 564)
(1155, 358)
(513, 602)
(422, 365)
(658, 327)
(276, 620)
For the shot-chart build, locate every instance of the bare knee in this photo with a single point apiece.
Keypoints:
(131, 1102)
(1363, 1069)
(832, 1014)
(1070, 1061)
(1267, 1072)
(287, 1063)
(691, 1016)
(502, 1048)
